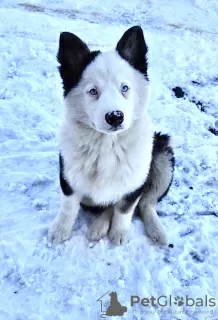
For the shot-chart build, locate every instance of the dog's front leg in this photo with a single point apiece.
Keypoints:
(61, 228)
(121, 222)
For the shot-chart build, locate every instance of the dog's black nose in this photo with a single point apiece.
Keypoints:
(114, 118)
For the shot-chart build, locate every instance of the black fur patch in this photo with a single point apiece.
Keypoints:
(161, 144)
(73, 56)
(130, 198)
(65, 187)
(95, 209)
(132, 48)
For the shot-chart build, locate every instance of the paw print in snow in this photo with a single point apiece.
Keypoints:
(179, 301)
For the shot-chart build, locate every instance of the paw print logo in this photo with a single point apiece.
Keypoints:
(179, 301)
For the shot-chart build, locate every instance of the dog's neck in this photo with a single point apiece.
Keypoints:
(96, 161)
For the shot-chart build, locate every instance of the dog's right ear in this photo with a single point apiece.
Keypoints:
(73, 56)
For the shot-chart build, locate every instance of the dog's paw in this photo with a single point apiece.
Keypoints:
(119, 236)
(59, 232)
(156, 232)
(98, 229)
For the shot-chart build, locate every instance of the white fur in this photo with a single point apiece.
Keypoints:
(103, 166)
(62, 225)
(119, 232)
(100, 226)
(98, 164)
(153, 225)
(121, 222)
(107, 73)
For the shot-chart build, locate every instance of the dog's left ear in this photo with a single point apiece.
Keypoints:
(132, 48)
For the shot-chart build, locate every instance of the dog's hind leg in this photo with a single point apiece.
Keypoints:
(100, 226)
(156, 187)
(153, 226)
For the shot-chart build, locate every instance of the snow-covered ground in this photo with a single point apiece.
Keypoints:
(64, 282)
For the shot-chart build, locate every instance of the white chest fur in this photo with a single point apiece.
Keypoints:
(106, 167)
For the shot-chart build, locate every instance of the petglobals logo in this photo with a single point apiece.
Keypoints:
(111, 306)
(170, 301)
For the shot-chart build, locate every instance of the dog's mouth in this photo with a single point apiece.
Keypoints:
(109, 130)
(114, 129)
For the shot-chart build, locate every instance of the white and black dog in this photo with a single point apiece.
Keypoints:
(110, 157)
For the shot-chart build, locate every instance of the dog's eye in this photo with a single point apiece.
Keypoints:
(93, 92)
(124, 88)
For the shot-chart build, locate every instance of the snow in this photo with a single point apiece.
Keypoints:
(64, 282)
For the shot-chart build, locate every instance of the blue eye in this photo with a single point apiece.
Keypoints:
(93, 92)
(124, 88)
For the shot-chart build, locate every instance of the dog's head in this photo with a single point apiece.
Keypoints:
(106, 91)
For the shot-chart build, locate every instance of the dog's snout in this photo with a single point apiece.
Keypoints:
(114, 118)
